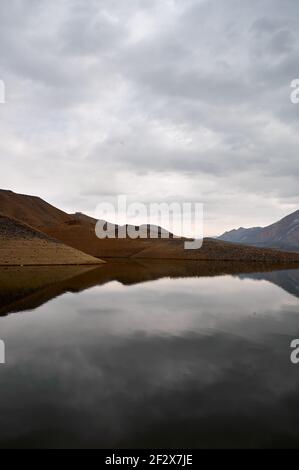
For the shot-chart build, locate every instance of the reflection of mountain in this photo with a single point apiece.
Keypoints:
(29, 287)
(286, 279)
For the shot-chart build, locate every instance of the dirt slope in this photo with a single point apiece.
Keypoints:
(216, 250)
(31, 210)
(20, 244)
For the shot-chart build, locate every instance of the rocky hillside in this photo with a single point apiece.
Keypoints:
(22, 245)
(283, 234)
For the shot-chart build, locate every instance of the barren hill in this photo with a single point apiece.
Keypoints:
(21, 244)
(31, 210)
(215, 250)
(78, 231)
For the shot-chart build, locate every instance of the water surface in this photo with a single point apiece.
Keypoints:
(148, 356)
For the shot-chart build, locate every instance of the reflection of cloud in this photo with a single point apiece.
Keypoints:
(182, 363)
(187, 392)
(287, 280)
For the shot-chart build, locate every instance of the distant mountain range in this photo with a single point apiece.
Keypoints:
(283, 235)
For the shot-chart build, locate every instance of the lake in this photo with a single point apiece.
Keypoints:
(136, 355)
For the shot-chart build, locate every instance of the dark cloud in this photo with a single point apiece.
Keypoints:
(122, 91)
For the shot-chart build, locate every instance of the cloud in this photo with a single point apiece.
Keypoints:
(116, 92)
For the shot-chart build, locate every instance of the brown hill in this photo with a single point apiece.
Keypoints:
(78, 231)
(83, 237)
(31, 210)
(21, 244)
(79, 218)
(215, 250)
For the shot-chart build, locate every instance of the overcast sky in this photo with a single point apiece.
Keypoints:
(163, 100)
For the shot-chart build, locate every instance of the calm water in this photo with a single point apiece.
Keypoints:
(115, 359)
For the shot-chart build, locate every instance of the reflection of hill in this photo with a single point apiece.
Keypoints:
(29, 287)
(26, 288)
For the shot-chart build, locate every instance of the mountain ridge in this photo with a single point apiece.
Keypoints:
(283, 234)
